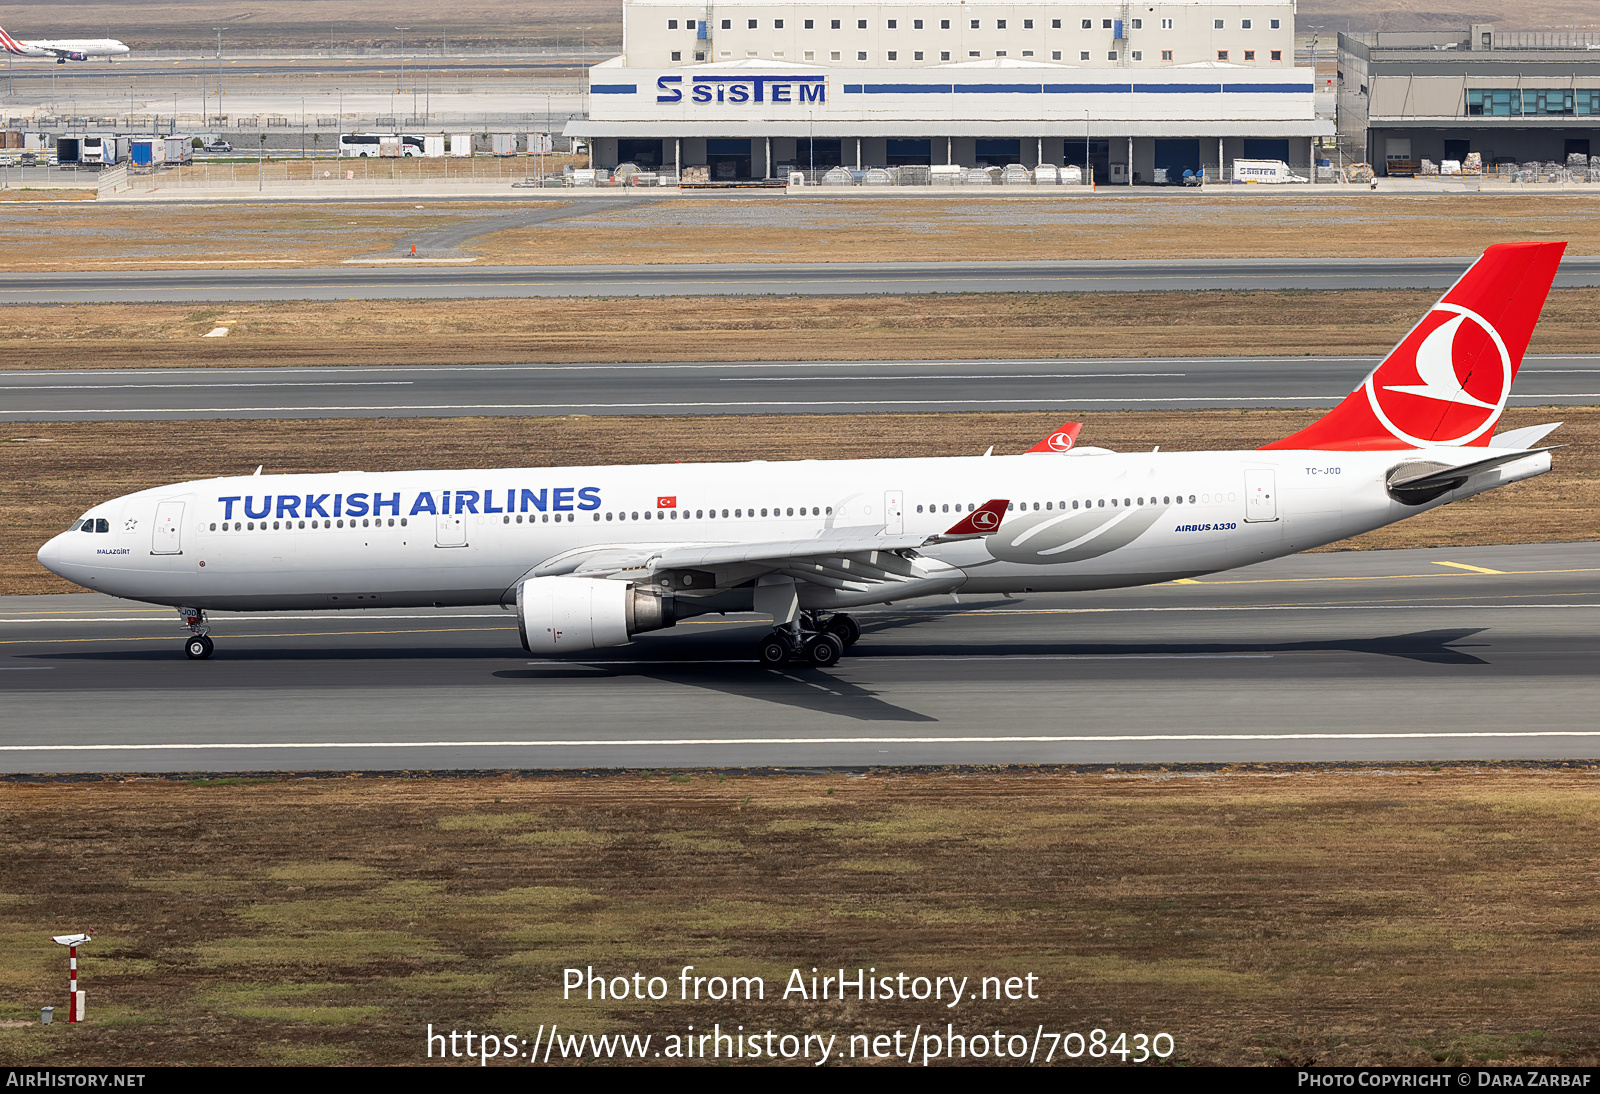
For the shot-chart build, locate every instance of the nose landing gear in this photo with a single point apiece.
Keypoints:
(819, 641)
(198, 647)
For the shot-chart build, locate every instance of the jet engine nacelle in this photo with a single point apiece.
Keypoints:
(570, 614)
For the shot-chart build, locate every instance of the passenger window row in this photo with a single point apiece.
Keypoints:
(290, 525)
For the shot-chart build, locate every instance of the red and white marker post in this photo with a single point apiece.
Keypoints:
(74, 996)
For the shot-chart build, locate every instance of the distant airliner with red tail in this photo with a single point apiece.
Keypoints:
(64, 49)
(590, 556)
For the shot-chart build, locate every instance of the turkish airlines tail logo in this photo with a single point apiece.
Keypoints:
(1448, 380)
(11, 44)
(982, 521)
(1061, 440)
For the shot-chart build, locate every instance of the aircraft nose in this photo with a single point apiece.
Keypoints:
(52, 554)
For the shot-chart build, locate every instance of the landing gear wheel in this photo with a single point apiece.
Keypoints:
(825, 649)
(848, 630)
(774, 651)
(199, 647)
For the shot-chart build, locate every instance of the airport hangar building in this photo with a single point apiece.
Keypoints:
(1512, 97)
(757, 89)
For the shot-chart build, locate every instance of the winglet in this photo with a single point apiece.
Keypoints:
(1061, 440)
(983, 521)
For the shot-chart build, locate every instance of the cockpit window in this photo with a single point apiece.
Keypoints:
(75, 526)
(101, 524)
(91, 524)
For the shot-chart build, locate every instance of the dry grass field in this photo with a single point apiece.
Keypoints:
(1404, 915)
(650, 228)
(1003, 325)
(53, 472)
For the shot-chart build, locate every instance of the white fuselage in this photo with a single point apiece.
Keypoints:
(1084, 521)
(76, 49)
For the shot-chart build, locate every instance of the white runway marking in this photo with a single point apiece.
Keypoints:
(143, 387)
(702, 742)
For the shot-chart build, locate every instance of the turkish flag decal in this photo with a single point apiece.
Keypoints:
(667, 503)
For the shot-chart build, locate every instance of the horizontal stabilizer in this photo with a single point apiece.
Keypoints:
(1416, 482)
(1526, 437)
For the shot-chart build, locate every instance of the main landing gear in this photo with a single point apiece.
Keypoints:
(818, 640)
(199, 645)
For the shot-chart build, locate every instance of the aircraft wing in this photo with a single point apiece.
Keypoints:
(835, 556)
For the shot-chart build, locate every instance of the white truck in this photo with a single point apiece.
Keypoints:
(1271, 172)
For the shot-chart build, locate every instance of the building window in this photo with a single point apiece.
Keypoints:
(1027, 53)
(974, 24)
(672, 24)
(1277, 55)
(1111, 55)
(916, 24)
(1166, 24)
(861, 55)
(677, 55)
(1222, 55)
(1087, 24)
(944, 24)
(1055, 55)
(777, 24)
(834, 56)
(1027, 24)
(1275, 24)
(944, 56)
(894, 55)
(699, 56)
(1249, 54)
(1138, 24)
(835, 24)
(727, 24)
(1216, 24)
(917, 56)
(1138, 55)
(999, 53)
(999, 24)
(861, 24)
(894, 24)
(811, 55)
(750, 24)
(1105, 24)
(725, 53)
(1084, 56)
(750, 53)
(973, 53)
(810, 24)
(1166, 55)
(777, 53)
(1244, 24)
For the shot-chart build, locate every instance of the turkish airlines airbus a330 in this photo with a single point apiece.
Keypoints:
(589, 556)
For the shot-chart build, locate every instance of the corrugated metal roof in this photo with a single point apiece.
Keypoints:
(1174, 129)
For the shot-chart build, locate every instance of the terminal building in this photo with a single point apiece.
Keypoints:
(755, 90)
(1511, 97)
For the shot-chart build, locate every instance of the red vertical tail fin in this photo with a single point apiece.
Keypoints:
(1448, 380)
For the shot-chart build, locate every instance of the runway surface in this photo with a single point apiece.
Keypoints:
(1485, 653)
(783, 387)
(419, 282)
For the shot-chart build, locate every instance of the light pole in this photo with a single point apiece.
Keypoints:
(219, 68)
(402, 31)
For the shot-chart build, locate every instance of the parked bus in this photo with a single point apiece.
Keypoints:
(361, 145)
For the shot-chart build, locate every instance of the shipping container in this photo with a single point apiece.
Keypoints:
(146, 151)
(178, 149)
(432, 147)
(460, 144)
(68, 150)
(503, 144)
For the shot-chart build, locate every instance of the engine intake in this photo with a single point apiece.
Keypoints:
(558, 615)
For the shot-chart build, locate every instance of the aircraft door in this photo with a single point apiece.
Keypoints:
(167, 532)
(1260, 495)
(450, 530)
(894, 512)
